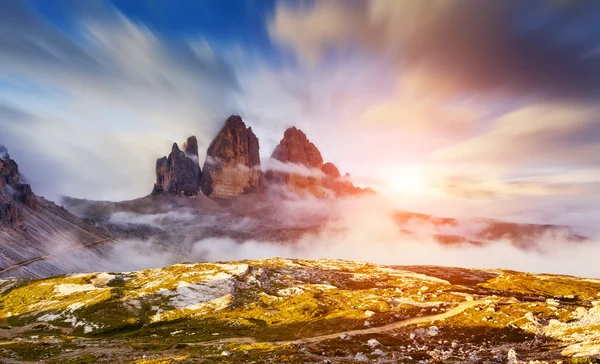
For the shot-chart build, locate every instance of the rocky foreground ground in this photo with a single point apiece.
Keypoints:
(299, 311)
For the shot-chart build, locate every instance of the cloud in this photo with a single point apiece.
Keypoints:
(292, 168)
(108, 97)
(13, 115)
(510, 47)
(362, 229)
(555, 133)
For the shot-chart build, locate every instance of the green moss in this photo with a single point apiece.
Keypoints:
(33, 351)
(546, 286)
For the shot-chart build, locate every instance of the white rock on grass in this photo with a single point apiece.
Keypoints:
(552, 302)
(361, 357)
(512, 357)
(433, 331)
(378, 352)
(70, 288)
(369, 313)
(373, 343)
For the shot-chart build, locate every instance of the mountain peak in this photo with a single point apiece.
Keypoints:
(295, 147)
(191, 146)
(4, 152)
(232, 164)
(179, 174)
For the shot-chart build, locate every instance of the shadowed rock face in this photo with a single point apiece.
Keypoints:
(232, 166)
(14, 193)
(179, 173)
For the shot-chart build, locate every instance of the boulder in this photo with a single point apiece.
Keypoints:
(232, 166)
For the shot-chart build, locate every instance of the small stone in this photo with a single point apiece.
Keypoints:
(552, 302)
(512, 357)
(378, 352)
(373, 343)
(361, 357)
(433, 331)
(468, 298)
(225, 353)
(369, 313)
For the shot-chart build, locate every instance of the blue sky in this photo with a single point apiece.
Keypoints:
(492, 104)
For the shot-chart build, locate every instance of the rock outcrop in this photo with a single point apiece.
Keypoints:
(299, 166)
(337, 185)
(179, 173)
(13, 193)
(232, 166)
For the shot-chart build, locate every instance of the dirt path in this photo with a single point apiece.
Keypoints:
(122, 348)
(372, 330)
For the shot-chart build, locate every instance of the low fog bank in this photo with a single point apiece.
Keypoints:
(362, 229)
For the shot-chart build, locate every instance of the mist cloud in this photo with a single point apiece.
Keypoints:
(362, 229)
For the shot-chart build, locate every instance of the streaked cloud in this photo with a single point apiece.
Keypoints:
(508, 47)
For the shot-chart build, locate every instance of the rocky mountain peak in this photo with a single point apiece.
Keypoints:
(319, 179)
(13, 193)
(232, 164)
(296, 148)
(190, 146)
(331, 170)
(9, 170)
(179, 173)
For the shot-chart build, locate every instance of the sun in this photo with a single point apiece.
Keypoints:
(408, 181)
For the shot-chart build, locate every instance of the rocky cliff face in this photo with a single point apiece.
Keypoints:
(179, 173)
(30, 224)
(300, 164)
(13, 193)
(232, 164)
(303, 169)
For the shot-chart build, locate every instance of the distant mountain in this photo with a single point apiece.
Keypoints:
(230, 197)
(233, 167)
(31, 226)
(302, 169)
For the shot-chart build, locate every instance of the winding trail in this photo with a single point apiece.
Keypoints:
(122, 348)
(372, 330)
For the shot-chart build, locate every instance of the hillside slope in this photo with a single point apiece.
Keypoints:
(300, 311)
(31, 226)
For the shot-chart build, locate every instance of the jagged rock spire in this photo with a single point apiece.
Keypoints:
(232, 164)
(179, 173)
